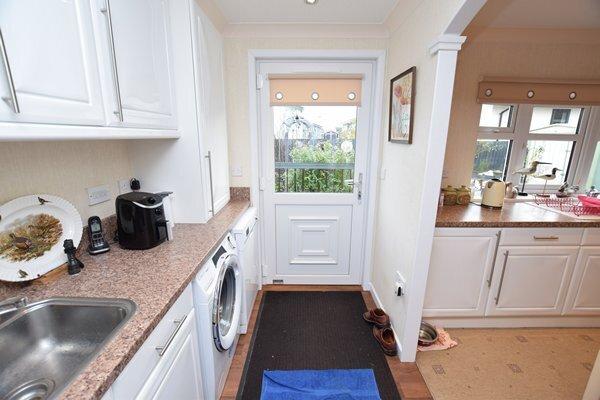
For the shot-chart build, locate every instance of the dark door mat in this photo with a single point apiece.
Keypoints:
(313, 330)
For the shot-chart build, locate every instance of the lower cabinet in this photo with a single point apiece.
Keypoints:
(459, 272)
(167, 365)
(531, 280)
(584, 292)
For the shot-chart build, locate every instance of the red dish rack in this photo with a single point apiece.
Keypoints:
(566, 204)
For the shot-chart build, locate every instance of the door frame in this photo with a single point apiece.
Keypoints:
(377, 57)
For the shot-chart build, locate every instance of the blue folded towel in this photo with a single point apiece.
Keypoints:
(328, 384)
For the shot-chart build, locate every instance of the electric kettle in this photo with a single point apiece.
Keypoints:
(493, 193)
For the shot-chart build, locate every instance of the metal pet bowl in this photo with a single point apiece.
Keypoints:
(427, 334)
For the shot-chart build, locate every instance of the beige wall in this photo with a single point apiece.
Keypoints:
(236, 80)
(512, 53)
(64, 169)
(400, 193)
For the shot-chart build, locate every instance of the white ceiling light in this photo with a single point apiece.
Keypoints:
(311, 2)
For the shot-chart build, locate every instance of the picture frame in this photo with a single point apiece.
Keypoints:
(402, 107)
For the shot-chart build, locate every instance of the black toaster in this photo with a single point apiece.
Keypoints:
(141, 222)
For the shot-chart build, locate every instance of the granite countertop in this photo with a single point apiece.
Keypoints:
(511, 215)
(152, 278)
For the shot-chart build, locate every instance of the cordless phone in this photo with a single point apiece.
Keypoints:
(98, 244)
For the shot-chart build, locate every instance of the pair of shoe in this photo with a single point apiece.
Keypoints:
(382, 330)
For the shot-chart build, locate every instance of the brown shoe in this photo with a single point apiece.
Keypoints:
(377, 317)
(387, 341)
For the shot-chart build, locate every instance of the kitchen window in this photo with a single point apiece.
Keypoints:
(511, 136)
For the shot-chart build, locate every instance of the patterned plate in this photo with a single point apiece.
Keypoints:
(32, 231)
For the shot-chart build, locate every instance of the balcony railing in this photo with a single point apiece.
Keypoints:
(313, 177)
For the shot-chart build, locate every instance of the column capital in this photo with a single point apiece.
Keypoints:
(447, 42)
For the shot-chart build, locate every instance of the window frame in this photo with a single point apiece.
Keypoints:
(520, 135)
(496, 129)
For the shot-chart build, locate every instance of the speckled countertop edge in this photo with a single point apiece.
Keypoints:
(512, 215)
(154, 279)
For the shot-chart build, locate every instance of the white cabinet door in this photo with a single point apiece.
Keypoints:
(584, 292)
(457, 283)
(531, 280)
(182, 380)
(51, 55)
(210, 102)
(137, 64)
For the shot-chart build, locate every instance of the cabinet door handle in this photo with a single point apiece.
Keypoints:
(12, 101)
(210, 181)
(163, 349)
(502, 276)
(545, 238)
(113, 59)
(489, 281)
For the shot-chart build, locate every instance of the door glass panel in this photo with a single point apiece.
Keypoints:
(556, 153)
(314, 148)
(556, 120)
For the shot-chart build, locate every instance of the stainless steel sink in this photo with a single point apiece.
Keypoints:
(44, 345)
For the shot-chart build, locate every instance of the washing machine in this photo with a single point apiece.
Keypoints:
(244, 233)
(218, 298)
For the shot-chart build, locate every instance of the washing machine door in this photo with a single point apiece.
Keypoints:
(227, 303)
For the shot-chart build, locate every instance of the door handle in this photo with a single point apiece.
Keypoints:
(210, 181)
(545, 238)
(357, 185)
(12, 101)
(113, 58)
(497, 299)
(163, 349)
(489, 281)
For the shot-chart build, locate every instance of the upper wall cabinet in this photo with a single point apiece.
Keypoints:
(137, 70)
(48, 63)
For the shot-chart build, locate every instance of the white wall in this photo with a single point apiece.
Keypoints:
(519, 53)
(64, 169)
(236, 89)
(399, 204)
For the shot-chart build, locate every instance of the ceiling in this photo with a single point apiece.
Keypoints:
(548, 14)
(297, 11)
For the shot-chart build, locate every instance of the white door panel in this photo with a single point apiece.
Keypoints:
(458, 273)
(311, 239)
(531, 280)
(142, 61)
(584, 290)
(52, 58)
(314, 225)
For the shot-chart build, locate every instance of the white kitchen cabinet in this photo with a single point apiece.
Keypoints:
(136, 60)
(177, 376)
(531, 280)
(167, 365)
(583, 296)
(51, 55)
(459, 272)
(207, 45)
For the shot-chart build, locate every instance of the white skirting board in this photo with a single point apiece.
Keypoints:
(517, 322)
(369, 288)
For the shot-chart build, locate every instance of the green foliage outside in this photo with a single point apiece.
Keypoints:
(317, 180)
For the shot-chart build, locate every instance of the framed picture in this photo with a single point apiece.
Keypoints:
(402, 104)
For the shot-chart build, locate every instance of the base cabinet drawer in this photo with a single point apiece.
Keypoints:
(135, 375)
(531, 280)
(541, 236)
(583, 297)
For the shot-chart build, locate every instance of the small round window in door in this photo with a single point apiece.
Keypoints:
(227, 303)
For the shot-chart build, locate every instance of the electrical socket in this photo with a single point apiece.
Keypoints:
(98, 194)
(124, 186)
(236, 170)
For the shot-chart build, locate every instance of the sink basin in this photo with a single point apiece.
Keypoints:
(44, 345)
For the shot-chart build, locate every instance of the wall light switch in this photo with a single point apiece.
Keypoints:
(236, 170)
(98, 194)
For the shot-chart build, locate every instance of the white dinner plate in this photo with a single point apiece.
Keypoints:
(32, 231)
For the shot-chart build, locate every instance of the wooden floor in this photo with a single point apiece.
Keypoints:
(407, 376)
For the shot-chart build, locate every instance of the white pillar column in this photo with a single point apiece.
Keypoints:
(445, 49)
